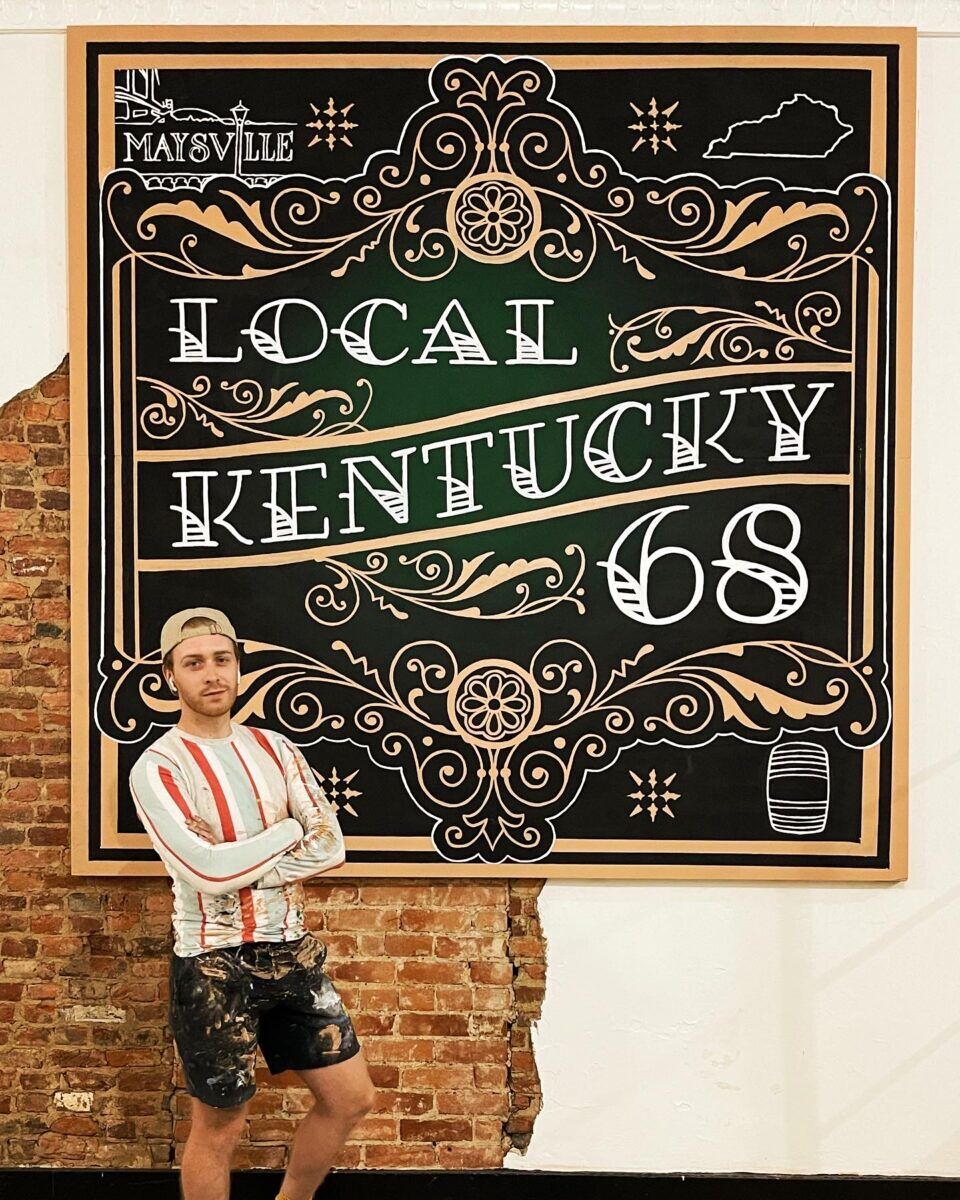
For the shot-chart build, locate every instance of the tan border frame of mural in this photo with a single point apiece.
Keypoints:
(905, 39)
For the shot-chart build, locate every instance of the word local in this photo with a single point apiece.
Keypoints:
(270, 334)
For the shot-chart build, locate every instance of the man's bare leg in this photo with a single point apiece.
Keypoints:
(343, 1095)
(214, 1135)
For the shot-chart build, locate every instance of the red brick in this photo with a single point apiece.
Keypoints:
(386, 1156)
(491, 1103)
(137, 1080)
(491, 972)
(420, 998)
(475, 1050)
(43, 433)
(436, 919)
(17, 498)
(15, 633)
(400, 1050)
(469, 1158)
(56, 385)
(337, 893)
(397, 894)
(492, 999)
(376, 1127)
(50, 835)
(471, 947)
(18, 947)
(73, 1123)
(448, 1075)
(432, 972)
(411, 1103)
(435, 1130)
(432, 1025)
(373, 1024)
(362, 918)
(406, 945)
(370, 945)
(443, 976)
(382, 1076)
(372, 971)
(55, 499)
(54, 1146)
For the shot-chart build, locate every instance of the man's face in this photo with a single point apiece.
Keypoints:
(205, 670)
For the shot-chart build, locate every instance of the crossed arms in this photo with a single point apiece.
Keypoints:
(294, 848)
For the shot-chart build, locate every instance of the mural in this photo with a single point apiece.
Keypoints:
(533, 408)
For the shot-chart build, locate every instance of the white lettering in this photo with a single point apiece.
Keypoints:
(269, 345)
(525, 477)
(602, 460)
(357, 345)
(789, 445)
(393, 499)
(529, 347)
(464, 343)
(193, 342)
(284, 525)
(460, 498)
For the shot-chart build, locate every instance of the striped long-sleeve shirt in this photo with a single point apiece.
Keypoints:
(273, 825)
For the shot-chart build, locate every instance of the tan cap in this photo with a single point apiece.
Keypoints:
(172, 633)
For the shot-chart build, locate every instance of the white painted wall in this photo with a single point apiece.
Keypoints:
(715, 1028)
(794, 1028)
(33, 208)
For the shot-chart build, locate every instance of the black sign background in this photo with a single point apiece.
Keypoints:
(672, 647)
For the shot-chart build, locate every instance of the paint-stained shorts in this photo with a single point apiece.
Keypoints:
(225, 1002)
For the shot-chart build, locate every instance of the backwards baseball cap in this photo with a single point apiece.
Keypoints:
(173, 633)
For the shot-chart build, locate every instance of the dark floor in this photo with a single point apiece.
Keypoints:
(53, 1184)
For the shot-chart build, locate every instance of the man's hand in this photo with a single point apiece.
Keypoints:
(201, 829)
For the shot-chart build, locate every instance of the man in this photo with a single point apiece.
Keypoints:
(239, 821)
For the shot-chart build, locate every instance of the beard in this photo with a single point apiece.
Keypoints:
(211, 706)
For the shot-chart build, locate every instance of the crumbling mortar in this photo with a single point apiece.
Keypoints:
(513, 1139)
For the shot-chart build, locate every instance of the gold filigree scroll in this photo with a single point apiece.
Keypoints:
(473, 589)
(495, 168)
(267, 414)
(494, 750)
(727, 335)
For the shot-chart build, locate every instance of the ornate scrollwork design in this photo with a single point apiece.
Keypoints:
(494, 218)
(727, 335)
(495, 750)
(474, 589)
(496, 168)
(266, 413)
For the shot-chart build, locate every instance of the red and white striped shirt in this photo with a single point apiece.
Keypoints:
(274, 828)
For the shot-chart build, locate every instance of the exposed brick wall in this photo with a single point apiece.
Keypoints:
(443, 978)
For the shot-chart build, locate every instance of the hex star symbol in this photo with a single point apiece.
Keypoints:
(653, 796)
(654, 126)
(328, 128)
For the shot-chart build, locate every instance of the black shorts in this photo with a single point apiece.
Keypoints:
(225, 1002)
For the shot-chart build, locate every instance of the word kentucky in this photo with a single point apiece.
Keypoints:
(748, 430)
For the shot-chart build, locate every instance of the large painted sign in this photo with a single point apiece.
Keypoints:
(535, 403)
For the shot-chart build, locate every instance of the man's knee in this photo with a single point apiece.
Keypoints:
(366, 1100)
(222, 1125)
(352, 1104)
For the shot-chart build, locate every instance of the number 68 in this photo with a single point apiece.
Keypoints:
(788, 585)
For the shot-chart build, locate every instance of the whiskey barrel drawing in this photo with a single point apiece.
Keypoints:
(798, 788)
